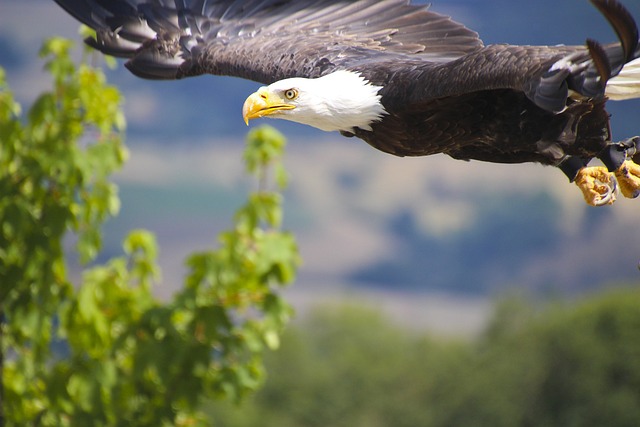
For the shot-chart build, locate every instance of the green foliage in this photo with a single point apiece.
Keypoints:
(105, 351)
(559, 366)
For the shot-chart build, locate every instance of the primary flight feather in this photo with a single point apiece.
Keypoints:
(406, 80)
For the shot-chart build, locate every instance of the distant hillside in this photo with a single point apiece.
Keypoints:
(515, 239)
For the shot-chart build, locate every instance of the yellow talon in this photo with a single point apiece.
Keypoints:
(628, 176)
(598, 185)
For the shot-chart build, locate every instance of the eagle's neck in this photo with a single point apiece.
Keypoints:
(340, 101)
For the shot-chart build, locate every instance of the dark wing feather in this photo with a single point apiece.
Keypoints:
(266, 40)
(623, 24)
(546, 74)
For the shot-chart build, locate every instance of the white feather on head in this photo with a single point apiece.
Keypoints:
(340, 101)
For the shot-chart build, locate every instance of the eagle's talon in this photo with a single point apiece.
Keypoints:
(610, 191)
(598, 185)
(628, 176)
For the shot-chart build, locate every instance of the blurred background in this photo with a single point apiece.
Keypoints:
(429, 241)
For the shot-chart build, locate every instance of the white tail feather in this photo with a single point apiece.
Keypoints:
(625, 85)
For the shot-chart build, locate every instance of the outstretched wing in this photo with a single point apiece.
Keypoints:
(266, 40)
(548, 75)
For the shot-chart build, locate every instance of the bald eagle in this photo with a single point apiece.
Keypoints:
(408, 81)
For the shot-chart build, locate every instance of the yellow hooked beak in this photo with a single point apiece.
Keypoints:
(263, 103)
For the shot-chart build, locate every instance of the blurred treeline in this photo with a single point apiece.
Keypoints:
(562, 364)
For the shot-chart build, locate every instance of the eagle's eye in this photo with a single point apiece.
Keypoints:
(291, 94)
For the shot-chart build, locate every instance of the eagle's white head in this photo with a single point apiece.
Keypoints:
(340, 101)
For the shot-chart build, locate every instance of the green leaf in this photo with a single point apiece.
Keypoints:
(264, 146)
(272, 339)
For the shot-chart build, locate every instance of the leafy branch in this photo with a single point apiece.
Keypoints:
(105, 351)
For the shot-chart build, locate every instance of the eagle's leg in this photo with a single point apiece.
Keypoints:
(597, 184)
(628, 176)
(618, 157)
